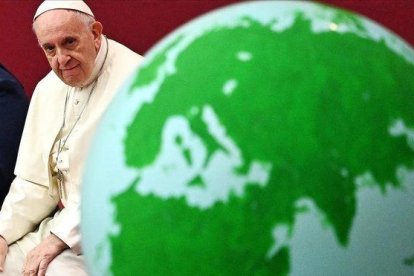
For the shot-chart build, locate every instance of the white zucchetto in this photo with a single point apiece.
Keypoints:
(77, 5)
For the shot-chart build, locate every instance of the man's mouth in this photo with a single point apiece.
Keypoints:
(69, 70)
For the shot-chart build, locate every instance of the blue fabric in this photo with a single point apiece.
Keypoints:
(13, 109)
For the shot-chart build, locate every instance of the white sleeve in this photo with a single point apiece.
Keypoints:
(66, 226)
(24, 207)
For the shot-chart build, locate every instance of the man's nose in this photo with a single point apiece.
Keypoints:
(62, 57)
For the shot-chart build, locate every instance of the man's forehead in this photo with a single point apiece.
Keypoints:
(54, 22)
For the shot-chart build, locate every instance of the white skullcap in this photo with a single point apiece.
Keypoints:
(77, 5)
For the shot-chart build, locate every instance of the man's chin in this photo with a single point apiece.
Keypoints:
(72, 82)
(72, 78)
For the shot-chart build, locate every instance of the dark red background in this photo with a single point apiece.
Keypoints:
(141, 23)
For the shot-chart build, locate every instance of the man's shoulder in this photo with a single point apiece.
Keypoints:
(48, 86)
(51, 79)
(123, 54)
(6, 75)
(9, 84)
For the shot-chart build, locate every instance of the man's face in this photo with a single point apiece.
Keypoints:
(69, 45)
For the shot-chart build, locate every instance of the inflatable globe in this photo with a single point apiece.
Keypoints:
(264, 138)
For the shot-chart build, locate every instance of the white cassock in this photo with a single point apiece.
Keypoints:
(28, 213)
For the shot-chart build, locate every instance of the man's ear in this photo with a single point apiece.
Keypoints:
(97, 29)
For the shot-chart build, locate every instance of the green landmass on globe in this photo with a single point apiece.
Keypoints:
(313, 110)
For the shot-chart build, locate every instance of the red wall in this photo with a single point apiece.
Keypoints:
(140, 23)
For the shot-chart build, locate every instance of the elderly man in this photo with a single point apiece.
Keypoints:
(87, 70)
(13, 109)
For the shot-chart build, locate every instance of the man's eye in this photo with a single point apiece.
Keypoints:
(49, 49)
(70, 41)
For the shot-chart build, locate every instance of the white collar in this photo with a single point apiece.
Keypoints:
(99, 61)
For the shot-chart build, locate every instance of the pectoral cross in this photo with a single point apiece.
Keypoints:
(60, 183)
